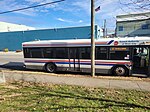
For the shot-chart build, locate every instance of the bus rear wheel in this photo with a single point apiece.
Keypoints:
(120, 71)
(50, 67)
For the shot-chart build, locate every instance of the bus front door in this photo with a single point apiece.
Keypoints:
(74, 59)
(140, 60)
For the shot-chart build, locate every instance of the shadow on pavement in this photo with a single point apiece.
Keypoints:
(13, 66)
(21, 67)
(108, 102)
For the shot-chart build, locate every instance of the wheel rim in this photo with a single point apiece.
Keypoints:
(120, 71)
(50, 68)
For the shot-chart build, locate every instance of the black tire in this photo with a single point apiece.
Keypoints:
(120, 71)
(50, 67)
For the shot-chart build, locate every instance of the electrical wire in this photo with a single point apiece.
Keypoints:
(31, 7)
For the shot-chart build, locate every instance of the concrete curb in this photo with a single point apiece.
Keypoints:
(79, 81)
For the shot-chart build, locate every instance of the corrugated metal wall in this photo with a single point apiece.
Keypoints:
(13, 40)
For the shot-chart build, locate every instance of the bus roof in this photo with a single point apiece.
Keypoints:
(126, 41)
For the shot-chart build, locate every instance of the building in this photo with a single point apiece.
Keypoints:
(8, 27)
(137, 24)
(13, 40)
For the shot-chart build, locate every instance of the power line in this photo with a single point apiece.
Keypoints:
(31, 7)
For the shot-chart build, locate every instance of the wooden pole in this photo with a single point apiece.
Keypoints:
(92, 39)
(148, 73)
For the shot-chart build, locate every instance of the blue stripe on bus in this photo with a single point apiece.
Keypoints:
(71, 63)
(110, 42)
(83, 63)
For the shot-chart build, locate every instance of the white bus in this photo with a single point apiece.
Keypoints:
(117, 56)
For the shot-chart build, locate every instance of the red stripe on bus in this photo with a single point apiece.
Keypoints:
(97, 62)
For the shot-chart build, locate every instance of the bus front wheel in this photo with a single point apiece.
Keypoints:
(120, 71)
(50, 67)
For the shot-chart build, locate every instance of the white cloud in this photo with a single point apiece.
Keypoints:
(60, 19)
(80, 21)
(43, 2)
(64, 20)
(69, 21)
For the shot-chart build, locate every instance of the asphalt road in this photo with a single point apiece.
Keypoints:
(11, 60)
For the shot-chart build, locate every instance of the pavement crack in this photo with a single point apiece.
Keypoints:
(109, 83)
(138, 86)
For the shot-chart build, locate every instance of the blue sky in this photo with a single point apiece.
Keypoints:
(65, 14)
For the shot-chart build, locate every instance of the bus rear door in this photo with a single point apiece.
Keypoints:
(74, 59)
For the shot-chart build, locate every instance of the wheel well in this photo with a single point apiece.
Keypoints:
(112, 69)
(49, 63)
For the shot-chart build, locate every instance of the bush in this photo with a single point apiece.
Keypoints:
(6, 50)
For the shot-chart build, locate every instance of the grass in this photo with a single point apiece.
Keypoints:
(31, 97)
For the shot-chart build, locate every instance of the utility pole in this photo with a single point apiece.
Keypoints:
(148, 73)
(104, 28)
(92, 39)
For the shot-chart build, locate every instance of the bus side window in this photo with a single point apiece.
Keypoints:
(36, 53)
(85, 53)
(101, 52)
(48, 53)
(26, 52)
(72, 52)
(61, 53)
(119, 53)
